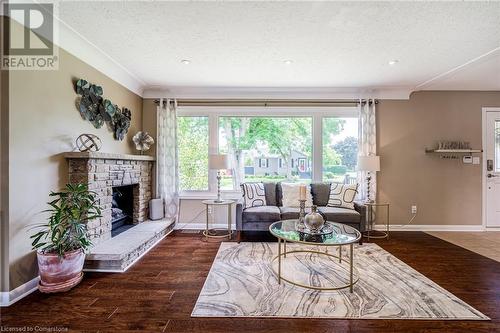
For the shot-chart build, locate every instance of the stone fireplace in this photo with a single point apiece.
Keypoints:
(102, 172)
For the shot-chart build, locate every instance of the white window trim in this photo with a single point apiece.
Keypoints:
(213, 113)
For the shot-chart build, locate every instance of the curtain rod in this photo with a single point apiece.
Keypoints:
(271, 102)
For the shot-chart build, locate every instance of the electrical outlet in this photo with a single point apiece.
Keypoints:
(209, 209)
(414, 209)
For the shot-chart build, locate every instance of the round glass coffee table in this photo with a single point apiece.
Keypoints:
(332, 234)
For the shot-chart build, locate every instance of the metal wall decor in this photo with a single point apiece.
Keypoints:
(96, 109)
(88, 142)
(143, 141)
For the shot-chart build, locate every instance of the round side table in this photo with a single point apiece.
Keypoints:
(210, 233)
(369, 233)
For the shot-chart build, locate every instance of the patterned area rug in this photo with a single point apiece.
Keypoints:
(241, 283)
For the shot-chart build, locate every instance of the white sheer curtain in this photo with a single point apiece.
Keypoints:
(167, 157)
(367, 145)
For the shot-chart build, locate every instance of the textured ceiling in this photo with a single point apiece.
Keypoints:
(332, 44)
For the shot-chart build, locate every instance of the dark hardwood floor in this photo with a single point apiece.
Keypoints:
(159, 292)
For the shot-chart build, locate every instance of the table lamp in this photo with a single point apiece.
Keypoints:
(369, 164)
(218, 162)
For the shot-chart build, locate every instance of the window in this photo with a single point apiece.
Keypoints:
(263, 163)
(340, 149)
(264, 149)
(272, 144)
(192, 136)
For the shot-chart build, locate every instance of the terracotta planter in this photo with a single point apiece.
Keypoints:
(59, 274)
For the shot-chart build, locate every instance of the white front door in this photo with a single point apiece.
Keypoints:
(492, 167)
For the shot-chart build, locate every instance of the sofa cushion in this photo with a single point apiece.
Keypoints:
(261, 214)
(320, 193)
(254, 194)
(270, 189)
(291, 194)
(291, 213)
(342, 195)
(338, 214)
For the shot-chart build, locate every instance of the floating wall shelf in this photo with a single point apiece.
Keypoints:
(453, 151)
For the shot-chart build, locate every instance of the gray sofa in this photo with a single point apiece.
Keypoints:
(260, 218)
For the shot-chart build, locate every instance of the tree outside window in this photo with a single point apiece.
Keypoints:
(192, 138)
(278, 141)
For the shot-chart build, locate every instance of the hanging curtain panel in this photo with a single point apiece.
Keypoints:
(167, 157)
(367, 145)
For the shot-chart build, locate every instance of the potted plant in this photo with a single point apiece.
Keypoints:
(63, 240)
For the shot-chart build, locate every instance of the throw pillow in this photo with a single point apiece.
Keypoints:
(291, 194)
(254, 194)
(342, 195)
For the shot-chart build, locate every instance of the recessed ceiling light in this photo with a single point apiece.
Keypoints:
(393, 62)
(185, 62)
(288, 62)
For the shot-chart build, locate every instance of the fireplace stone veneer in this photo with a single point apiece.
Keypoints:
(103, 171)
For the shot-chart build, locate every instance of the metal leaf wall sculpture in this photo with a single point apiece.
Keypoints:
(96, 109)
(90, 102)
(143, 141)
(121, 122)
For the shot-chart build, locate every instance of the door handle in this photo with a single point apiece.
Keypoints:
(491, 175)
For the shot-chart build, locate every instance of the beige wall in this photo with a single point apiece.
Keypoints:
(149, 121)
(447, 192)
(44, 123)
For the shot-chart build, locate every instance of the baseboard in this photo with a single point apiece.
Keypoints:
(430, 227)
(393, 227)
(11, 297)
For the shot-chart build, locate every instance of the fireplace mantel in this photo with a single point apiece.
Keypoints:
(108, 156)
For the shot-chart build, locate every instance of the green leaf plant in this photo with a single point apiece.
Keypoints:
(66, 230)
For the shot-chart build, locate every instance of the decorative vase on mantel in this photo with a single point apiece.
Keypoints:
(314, 221)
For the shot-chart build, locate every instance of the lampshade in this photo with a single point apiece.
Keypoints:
(369, 163)
(217, 162)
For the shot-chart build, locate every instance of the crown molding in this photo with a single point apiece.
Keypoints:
(72, 41)
(278, 93)
(427, 85)
(76, 44)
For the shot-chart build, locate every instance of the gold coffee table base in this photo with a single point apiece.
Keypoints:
(353, 271)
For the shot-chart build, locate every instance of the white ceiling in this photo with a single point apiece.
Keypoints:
(346, 45)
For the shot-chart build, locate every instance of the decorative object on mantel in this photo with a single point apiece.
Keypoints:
(94, 108)
(453, 149)
(88, 142)
(143, 141)
(63, 240)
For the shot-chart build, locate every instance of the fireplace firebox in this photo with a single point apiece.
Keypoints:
(122, 209)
